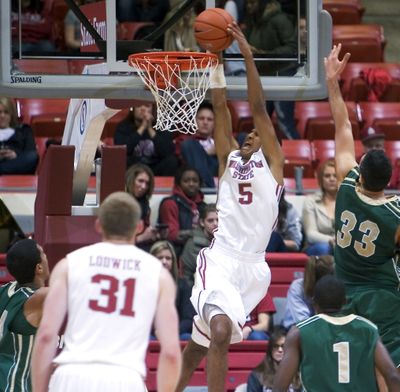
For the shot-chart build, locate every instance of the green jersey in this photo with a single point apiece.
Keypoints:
(365, 231)
(16, 339)
(337, 354)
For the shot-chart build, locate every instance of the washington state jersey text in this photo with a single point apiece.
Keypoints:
(244, 172)
(112, 262)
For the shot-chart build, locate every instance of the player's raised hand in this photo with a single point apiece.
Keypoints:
(238, 35)
(333, 66)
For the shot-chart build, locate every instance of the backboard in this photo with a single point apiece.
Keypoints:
(56, 72)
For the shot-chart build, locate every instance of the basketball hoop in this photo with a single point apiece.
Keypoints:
(178, 82)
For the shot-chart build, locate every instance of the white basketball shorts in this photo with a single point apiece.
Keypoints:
(233, 283)
(95, 378)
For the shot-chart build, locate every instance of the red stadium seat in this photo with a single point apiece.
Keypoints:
(278, 289)
(371, 112)
(286, 274)
(111, 124)
(365, 42)
(297, 153)
(322, 150)
(355, 89)
(390, 127)
(37, 111)
(290, 259)
(344, 11)
(314, 119)
(242, 119)
(392, 148)
(307, 185)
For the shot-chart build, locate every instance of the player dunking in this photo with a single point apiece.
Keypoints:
(111, 292)
(335, 352)
(366, 222)
(232, 275)
(21, 304)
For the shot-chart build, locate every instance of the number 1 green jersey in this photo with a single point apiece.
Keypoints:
(365, 230)
(337, 354)
(16, 339)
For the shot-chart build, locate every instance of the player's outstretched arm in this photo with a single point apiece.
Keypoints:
(289, 365)
(224, 140)
(55, 309)
(166, 325)
(262, 122)
(385, 365)
(344, 142)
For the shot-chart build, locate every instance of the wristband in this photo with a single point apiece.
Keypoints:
(217, 77)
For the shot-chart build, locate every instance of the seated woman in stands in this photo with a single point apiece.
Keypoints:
(139, 182)
(288, 234)
(261, 378)
(164, 251)
(319, 213)
(18, 154)
(299, 297)
(181, 210)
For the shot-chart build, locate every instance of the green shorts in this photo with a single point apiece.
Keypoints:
(382, 307)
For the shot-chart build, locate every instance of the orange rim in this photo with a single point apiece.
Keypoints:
(185, 60)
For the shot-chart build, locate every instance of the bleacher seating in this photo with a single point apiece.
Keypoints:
(242, 359)
(242, 119)
(46, 116)
(365, 42)
(371, 112)
(314, 119)
(297, 153)
(344, 11)
(355, 89)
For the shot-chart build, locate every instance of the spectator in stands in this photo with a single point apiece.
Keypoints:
(374, 139)
(37, 22)
(199, 151)
(139, 182)
(164, 251)
(202, 236)
(288, 235)
(299, 305)
(18, 154)
(181, 210)
(319, 212)
(142, 10)
(144, 144)
(259, 320)
(180, 36)
(270, 31)
(72, 30)
(262, 377)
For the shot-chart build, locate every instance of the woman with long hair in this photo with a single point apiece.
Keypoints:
(164, 251)
(319, 212)
(261, 379)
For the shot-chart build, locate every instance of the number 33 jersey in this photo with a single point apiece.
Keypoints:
(247, 204)
(112, 297)
(365, 231)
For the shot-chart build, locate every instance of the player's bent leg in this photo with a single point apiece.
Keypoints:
(217, 361)
(191, 358)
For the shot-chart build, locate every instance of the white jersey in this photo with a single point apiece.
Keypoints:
(112, 296)
(247, 204)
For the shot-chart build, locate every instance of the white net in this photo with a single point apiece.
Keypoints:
(178, 82)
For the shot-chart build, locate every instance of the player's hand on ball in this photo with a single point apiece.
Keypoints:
(238, 35)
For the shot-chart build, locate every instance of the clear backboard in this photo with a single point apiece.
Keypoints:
(55, 72)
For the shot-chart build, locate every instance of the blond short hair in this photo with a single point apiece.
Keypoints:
(119, 214)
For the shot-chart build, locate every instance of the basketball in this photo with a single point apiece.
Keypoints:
(210, 29)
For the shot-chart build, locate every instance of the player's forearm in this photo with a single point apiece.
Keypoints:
(42, 356)
(168, 372)
(338, 106)
(254, 86)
